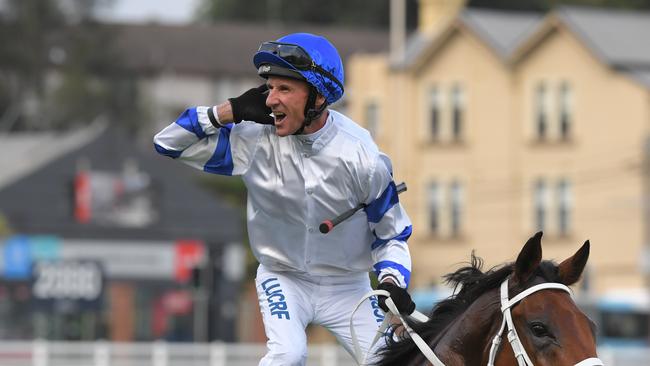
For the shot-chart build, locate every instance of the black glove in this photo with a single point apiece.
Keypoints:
(400, 297)
(251, 106)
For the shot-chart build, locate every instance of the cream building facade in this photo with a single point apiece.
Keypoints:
(503, 124)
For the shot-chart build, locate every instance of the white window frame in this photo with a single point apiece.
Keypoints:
(565, 113)
(372, 118)
(564, 207)
(458, 112)
(434, 207)
(434, 104)
(541, 123)
(540, 205)
(456, 208)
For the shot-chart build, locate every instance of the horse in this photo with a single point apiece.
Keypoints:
(529, 295)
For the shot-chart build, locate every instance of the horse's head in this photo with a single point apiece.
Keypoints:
(549, 324)
(529, 296)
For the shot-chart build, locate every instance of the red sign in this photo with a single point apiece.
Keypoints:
(177, 302)
(189, 254)
(82, 199)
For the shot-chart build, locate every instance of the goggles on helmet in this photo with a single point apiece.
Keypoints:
(297, 57)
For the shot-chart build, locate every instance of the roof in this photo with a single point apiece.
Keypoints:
(641, 76)
(40, 200)
(502, 31)
(26, 151)
(618, 37)
(224, 48)
(625, 299)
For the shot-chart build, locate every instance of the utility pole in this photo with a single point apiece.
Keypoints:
(397, 31)
(645, 261)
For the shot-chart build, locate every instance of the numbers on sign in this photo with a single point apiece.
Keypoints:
(66, 280)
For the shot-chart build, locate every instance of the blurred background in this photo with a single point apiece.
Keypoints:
(504, 117)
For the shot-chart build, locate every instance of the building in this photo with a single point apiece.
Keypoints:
(506, 123)
(171, 67)
(180, 66)
(106, 240)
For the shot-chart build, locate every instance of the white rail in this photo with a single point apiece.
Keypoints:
(100, 353)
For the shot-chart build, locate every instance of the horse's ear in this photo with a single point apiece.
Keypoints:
(529, 258)
(571, 269)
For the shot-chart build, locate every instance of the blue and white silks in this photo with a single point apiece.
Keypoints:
(296, 182)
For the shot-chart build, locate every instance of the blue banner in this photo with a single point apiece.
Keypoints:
(17, 258)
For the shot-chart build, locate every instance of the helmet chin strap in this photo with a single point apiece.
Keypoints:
(311, 112)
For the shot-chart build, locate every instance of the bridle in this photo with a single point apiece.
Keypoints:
(506, 305)
(513, 337)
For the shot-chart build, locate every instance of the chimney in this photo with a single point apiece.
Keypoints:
(433, 15)
(397, 31)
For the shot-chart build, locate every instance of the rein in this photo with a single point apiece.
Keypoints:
(422, 345)
(506, 304)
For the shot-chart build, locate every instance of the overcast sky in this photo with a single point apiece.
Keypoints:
(143, 11)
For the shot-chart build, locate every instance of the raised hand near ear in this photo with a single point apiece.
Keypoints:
(251, 106)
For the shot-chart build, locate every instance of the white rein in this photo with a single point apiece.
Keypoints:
(506, 304)
(422, 345)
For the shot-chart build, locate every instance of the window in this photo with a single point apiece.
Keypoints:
(434, 113)
(566, 110)
(456, 207)
(541, 119)
(372, 118)
(564, 205)
(540, 204)
(434, 200)
(457, 111)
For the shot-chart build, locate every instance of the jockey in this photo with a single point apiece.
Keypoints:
(302, 163)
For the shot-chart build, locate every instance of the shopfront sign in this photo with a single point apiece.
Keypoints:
(21, 255)
(67, 280)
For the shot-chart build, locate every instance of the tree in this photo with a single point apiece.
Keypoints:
(24, 56)
(361, 13)
(546, 5)
(366, 13)
(57, 68)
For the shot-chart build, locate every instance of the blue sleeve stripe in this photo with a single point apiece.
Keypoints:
(389, 264)
(377, 208)
(403, 236)
(221, 160)
(189, 120)
(171, 153)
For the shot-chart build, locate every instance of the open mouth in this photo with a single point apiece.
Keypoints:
(279, 117)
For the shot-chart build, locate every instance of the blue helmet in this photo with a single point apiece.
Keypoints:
(306, 57)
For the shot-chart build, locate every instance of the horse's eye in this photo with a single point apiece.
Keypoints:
(539, 330)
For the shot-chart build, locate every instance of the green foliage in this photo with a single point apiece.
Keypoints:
(5, 229)
(231, 189)
(68, 75)
(545, 5)
(365, 13)
(360, 13)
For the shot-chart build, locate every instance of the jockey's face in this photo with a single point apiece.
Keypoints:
(287, 98)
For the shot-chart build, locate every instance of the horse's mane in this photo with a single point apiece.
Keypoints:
(471, 282)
